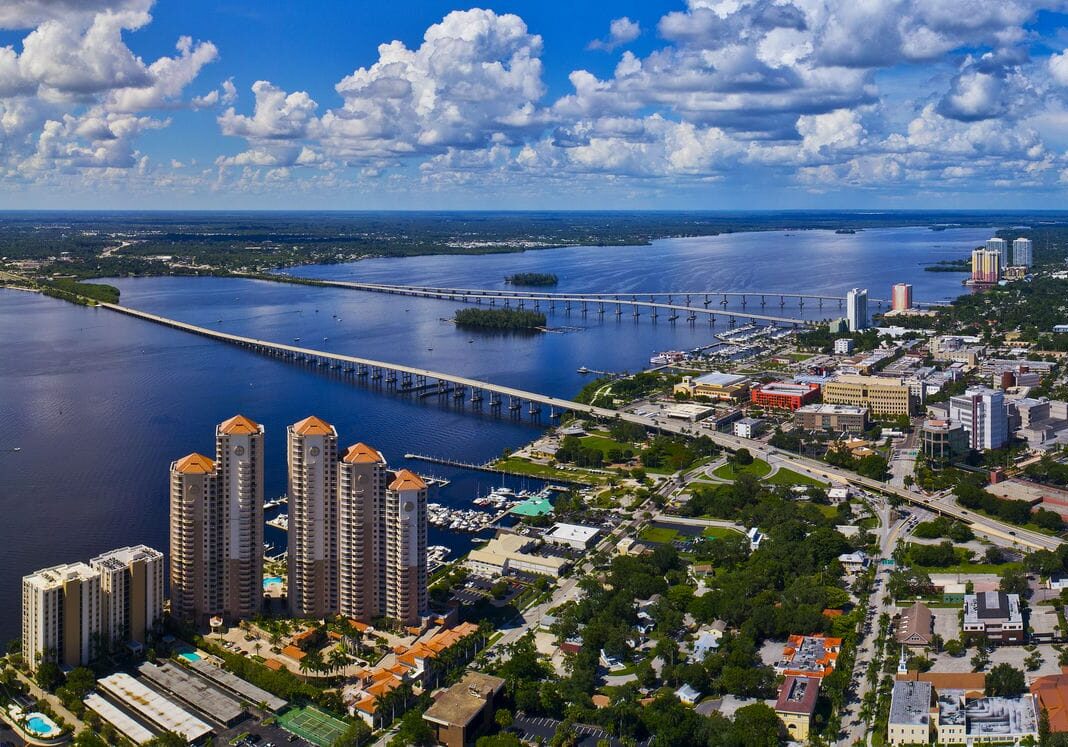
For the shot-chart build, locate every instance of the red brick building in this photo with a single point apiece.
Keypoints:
(781, 395)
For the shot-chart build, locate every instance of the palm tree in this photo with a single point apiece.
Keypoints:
(338, 659)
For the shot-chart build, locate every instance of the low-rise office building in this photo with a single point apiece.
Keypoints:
(715, 386)
(508, 554)
(459, 712)
(796, 704)
(781, 395)
(994, 615)
(834, 418)
(748, 427)
(964, 719)
(910, 713)
(943, 441)
(882, 396)
(572, 535)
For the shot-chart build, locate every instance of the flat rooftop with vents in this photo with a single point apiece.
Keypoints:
(910, 703)
(239, 687)
(153, 707)
(193, 691)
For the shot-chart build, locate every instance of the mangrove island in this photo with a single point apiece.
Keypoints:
(502, 319)
(532, 278)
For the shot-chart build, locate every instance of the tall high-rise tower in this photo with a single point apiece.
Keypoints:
(313, 548)
(361, 500)
(239, 463)
(1022, 252)
(197, 557)
(1002, 248)
(986, 266)
(61, 615)
(901, 299)
(857, 309)
(131, 586)
(406, 548)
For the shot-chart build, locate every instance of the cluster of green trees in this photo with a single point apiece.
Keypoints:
(974, 497)
(675, 453)
(499, 319)
(1048, 470)
(532, 278)
(628, 388)
(944, 527)
(572, 451)
(873, 466)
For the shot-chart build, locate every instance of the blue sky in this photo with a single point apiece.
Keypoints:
(690, 104)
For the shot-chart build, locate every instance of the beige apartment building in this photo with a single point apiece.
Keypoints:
(61, 615)
(405, 568)
(882, 396)
(131, 585)
(217, 526)
(239, 463)
(196, 526)
(361, 508)
(313, 536)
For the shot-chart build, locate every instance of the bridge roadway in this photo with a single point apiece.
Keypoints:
(366, 367)
(586, 300)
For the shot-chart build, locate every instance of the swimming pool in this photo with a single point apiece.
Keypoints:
(190, 656)
(271, 580)
(41, 725)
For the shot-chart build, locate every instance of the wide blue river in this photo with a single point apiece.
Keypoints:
(99, 404)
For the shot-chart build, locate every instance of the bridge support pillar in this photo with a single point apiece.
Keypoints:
(763, 302)
(584, 309)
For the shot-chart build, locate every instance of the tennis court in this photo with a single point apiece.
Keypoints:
(312, 725)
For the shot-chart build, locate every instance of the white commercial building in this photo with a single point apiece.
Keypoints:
(857, 309)
(1022, 252)
(843, 346)
(984, 415)
(510, 553)
(61, 615)
(573, 535)
(131, 583)
(748, 427)
(1001, 247)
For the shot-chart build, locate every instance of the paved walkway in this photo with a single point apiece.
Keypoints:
(57, 706)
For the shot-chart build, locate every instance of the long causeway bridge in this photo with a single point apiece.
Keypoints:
(709, 304)
(419, 382)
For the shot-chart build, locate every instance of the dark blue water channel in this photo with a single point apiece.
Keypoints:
(99, 404)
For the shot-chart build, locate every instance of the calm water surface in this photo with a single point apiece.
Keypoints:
(100, 404)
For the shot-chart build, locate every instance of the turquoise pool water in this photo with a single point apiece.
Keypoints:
(189, 656)
(40, 725)
(272, 580)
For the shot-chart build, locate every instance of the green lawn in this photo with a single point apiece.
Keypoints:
(789, 478)
(973, 568)
(525, 467)
(604, 444)
(759, 468)
(829, 511)
(799, 356)
(658, 535)
(720, 532)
